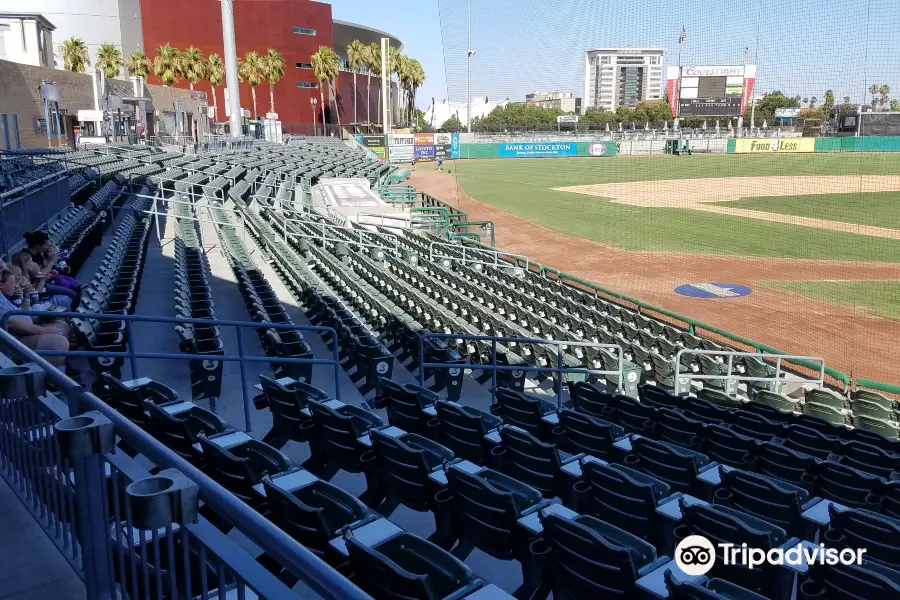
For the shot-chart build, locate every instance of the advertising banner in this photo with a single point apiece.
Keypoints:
(454, 145)
(749, 81)
(373, 141)
(423, 139)
(442, 151)
(400, 139)
(774, 145)
(423, 152)
(536, 150)
(400, 154)
(379, 151)
(441, 139)
(600, 149)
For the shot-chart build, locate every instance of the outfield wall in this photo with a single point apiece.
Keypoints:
(822, 144)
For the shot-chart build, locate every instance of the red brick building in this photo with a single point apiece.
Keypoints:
(296, 28)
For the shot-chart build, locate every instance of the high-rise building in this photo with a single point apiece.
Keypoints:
(622, 76)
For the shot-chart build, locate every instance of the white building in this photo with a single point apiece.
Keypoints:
(26, 38)
(564, 101)
(95, 22)
(442, 111)
(622, 76)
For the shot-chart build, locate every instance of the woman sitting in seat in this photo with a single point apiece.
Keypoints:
(46, 256)
(39, 282)
(54, 336)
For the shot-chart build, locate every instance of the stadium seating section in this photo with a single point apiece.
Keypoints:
(587, 497)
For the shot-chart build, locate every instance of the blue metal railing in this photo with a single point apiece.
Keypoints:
(493, 367)
(132, 354)
(79, 503)
(30, 207)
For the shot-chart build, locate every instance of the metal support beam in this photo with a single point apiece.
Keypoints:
(233, 97)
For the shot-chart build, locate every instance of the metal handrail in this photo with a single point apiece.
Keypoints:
(133, 355)
(559, 370)
(274, 541)
(496, 253)
(732, 377)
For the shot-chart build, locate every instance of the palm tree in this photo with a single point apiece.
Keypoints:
(356, 58)
(374, 60)
(193, 65)
(109, 60)
(274, 73)
(806, 101)
(326, 65)
(167, 65)
(873, 90)
(885, 91)
(139, 65)
(402, 71)
(75, 56)
(215, 74)
(812, 102)
(253, 69)
(415, 77)
(396, 64)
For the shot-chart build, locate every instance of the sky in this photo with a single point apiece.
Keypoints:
(802, 47)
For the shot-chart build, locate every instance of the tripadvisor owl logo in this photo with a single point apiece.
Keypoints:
(696, 555)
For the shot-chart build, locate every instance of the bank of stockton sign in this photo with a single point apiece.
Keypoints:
(537, 150)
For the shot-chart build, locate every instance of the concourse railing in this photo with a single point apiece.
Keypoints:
(126, 532)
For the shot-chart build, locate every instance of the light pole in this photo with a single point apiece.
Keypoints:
(469, 54)
(312, 103)
(233, 97)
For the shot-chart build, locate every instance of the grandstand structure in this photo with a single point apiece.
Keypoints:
(330, 404)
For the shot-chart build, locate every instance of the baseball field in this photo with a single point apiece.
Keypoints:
(814, 237)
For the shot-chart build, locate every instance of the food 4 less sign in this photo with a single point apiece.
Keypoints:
(774, 145)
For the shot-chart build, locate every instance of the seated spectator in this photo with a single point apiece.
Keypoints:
(55, 295)
(37, 337)
(46, 257)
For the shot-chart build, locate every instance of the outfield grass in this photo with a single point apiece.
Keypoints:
(880, 209)
(523, 187)
(875, 297)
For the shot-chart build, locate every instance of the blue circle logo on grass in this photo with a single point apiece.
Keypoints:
(713, 290)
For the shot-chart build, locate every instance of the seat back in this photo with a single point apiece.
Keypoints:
(725, 445)
(487, 514)
(809, 441)
(711, 589)
(775, 400)
(653, 395)
(590, 400)
(859, 528)
(462, 430)
(849, 486)
(587, 434)
(284, 403)
(409, 567)
(230, 471)
(403, 470)
(314, 514)
(179, 432)
(674, 465)
(530, 460)
(777, 502)
(588, 564)
(676, 428)
(403, 406)
(623, 496)
(869, 581)
(633, 416)
(337, 432)
(521, 410)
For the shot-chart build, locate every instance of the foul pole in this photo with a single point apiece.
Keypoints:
(233, 99)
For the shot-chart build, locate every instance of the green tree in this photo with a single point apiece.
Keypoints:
(215, 74)
(885, 91)
(597, 118)
(75, 56)
(415, 77)
(274, 73)
(768, 103)
(356, 58)
(828, 103)
(193, 65)
(326, 66)
(373, 60)
(873, 89)
(895, 105)
(805, 100)
(623, 114)
(812, 102)
(139, 65)
(167, 65)
(253, 70)
(451, 125)
(109, 60)
(846, 99)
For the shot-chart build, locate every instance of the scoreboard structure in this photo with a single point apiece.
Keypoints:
(722, 91)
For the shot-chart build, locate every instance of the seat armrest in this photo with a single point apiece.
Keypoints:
(369, 418)
(263, 455)
(652, 566)
(420, 442)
